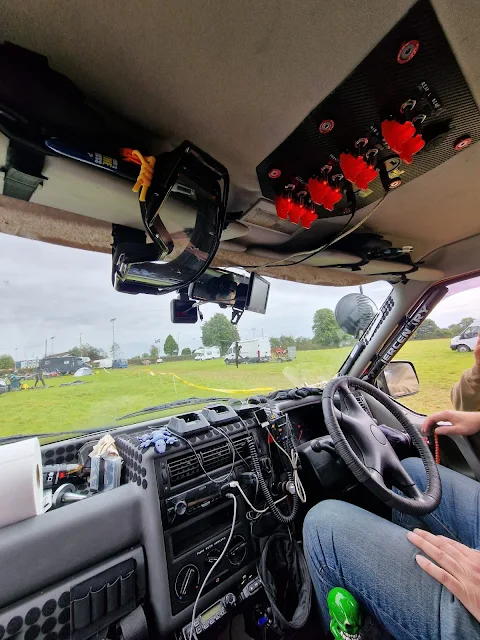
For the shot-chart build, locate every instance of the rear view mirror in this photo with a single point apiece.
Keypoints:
(354, 312)
(399, 379)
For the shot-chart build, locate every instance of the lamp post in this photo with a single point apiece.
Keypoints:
(113, 337)
(52, 339)
(81, 343)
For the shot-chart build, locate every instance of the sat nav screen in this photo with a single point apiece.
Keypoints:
(258, 298)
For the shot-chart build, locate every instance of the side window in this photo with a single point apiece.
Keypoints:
(471, 332)
(438, 349)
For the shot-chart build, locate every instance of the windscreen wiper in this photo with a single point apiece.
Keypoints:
(172, 405)
(24, 436)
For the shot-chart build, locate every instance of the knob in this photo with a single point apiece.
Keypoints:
(237, 550)
(187, 582)
(316, 445)
(212, 556)
(180, 507)
(230, 600)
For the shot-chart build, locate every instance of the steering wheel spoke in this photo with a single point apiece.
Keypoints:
(365, 449)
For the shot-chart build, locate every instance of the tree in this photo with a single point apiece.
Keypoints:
(115, 351)
(282, 342)
(154, 352)
(170, 347)
(326, 332)
(6, 362)
(186, 351)
(87, 350)
(429, 330)
(219, 332)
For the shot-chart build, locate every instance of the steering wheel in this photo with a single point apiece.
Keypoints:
(364, 448)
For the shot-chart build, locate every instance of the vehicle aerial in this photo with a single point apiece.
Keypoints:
(253, 350)
(207, 353)
(61, 364)
(4, 386)
(467, 340)
(159, 167)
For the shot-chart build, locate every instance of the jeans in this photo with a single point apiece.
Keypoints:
(349, 547)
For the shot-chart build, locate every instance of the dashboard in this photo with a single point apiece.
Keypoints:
(149, 545)
(149, 542)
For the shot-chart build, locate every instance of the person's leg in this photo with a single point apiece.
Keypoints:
(348, 547)
(457, 516)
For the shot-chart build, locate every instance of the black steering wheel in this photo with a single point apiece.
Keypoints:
(363, 447)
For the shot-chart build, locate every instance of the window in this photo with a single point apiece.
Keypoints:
(471, 332)
(442, 347)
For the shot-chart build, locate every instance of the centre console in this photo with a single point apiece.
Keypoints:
(196, 513)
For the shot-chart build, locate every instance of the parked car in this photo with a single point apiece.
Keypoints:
(467, 340)
(4, 387)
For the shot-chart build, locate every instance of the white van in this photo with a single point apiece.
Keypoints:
(467, 340)
(207, 353)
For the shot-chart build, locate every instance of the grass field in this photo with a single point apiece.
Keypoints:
(110, 394)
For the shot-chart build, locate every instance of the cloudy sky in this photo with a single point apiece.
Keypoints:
(46, 291)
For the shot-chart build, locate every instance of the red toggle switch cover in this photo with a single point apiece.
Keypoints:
(396, 134)
(283, 206)
(296, 212)
(331, 198)
(318, 189)
(308, 217)
(366, 176)
(411, 147)
(351, 166)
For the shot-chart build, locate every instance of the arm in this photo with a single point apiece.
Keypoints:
(463, 423)
(465, 394)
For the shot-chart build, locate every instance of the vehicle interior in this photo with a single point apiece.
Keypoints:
(312, 143)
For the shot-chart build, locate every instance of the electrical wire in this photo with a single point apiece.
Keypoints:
(235, 485)
(344, 232)
(294, 461)
(200, 463)
(216, 563)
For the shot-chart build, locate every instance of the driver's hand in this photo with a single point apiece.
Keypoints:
(463, 423)
(458, 567)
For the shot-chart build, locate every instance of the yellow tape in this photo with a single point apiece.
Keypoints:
(200, 386)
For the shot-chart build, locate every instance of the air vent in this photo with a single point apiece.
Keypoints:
(362, 402)
(218, 455)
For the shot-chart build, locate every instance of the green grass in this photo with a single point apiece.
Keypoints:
(108, 395)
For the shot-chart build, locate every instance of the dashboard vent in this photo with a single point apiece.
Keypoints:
(218, 455)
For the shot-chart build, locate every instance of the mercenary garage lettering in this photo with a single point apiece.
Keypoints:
(405, 334)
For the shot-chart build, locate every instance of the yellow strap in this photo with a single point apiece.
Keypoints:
(199, 386)
(144, 179)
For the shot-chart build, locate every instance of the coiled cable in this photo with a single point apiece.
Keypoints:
(265, 490)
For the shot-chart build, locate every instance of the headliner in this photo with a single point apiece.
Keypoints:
(238, 77)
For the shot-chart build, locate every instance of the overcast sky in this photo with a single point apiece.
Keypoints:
(46, 291)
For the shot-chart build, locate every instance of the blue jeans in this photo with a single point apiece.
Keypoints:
(349, 547)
